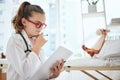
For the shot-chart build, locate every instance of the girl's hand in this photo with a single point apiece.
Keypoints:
(56, 69)
(39, 42)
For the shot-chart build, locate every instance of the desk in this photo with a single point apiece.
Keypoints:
(3, 65)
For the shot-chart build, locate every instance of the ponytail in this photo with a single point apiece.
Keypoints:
(18, 26)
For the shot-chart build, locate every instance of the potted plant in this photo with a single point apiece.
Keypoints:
(92, 5)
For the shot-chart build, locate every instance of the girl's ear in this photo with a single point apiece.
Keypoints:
(23, 21)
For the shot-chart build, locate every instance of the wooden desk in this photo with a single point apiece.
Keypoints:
(3, 65)
(2, 75)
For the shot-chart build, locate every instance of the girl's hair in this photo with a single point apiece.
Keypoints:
(25, 11)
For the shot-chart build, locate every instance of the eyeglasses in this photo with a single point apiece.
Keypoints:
(38, 25)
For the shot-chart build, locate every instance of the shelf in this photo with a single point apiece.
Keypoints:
(113, 26)
(95, 14)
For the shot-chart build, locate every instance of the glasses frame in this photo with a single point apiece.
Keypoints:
(37, 25)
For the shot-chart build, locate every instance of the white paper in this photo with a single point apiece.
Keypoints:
(59, 54)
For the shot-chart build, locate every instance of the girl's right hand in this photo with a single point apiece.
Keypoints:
(39, 42)
(56, 69)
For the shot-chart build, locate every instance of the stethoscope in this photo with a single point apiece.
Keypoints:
(27, 51)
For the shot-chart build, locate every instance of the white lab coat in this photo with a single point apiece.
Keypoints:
(20, 66)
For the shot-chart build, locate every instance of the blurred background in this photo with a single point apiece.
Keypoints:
(68, 23)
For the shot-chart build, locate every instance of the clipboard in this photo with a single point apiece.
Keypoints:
(59, 54)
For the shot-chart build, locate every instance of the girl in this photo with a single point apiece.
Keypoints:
(24, 53)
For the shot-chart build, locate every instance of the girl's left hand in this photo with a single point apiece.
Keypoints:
(39, 42)
(56, 69)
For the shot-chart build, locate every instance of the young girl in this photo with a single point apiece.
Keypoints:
(24, 53)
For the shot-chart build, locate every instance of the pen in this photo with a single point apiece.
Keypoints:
(35, 36)
(45, 34)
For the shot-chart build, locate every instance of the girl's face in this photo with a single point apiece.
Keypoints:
(34, 24)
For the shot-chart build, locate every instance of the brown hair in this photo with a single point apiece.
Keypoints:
(25, 11)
